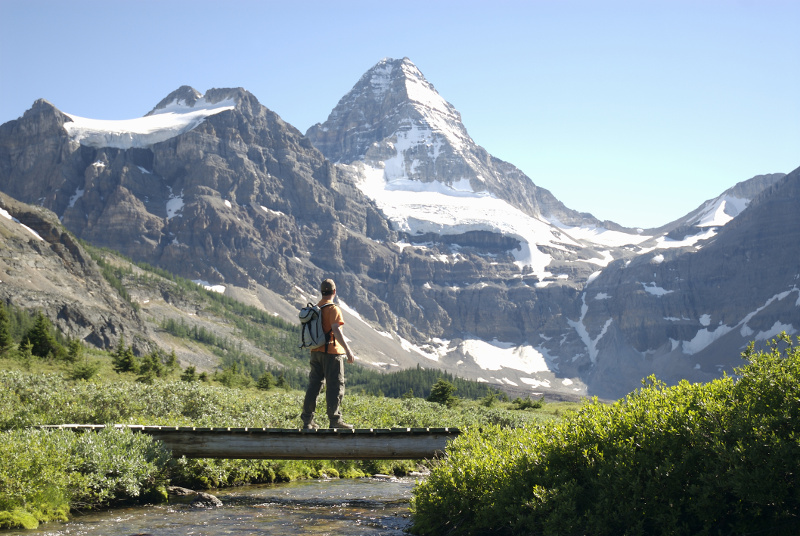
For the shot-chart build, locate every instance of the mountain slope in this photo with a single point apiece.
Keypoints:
(689, 312)
(43, 268)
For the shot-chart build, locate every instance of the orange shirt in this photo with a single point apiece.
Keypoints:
(330, 316)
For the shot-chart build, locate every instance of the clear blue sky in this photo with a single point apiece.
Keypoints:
(636, 111)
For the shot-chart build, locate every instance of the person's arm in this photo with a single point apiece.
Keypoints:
(337, 334)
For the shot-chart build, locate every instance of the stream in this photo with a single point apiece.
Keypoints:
(364, 506)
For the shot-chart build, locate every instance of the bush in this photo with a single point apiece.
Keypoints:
(45, 472)
(521, 404)
(266, 381)
(716, 458)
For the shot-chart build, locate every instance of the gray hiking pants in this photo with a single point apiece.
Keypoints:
(325, 369)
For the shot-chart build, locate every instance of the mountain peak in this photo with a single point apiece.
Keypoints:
(392, 97)
(389, 73)
(184, 95)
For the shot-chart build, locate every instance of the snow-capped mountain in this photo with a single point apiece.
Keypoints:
(443, 255)
(412, 156)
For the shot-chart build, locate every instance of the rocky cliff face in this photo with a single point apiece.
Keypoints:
(688, 312)
(43, 268)
(444, 255)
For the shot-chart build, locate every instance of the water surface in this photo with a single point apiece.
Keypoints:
(351, 507)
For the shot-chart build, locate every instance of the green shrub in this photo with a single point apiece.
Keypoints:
(527, 403)
(716, 458)
(44, 473)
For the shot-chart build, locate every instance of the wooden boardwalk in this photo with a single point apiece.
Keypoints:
(294, 444)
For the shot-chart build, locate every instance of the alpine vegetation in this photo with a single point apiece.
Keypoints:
(715, 458)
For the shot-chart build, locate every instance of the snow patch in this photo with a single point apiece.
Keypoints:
(607, 258)
(352, 311)
(776, 328)
(174, 205)
(496, 355)
(534, 383)
(410, 347)
(270, 211)
(720, 211)
(704, 337)
(651, 288)
(4, 213)
(418, 208)
(593, 276)
(667, 243)
(77, 195)
(583, 333)
(163, 124)
(601, 235)
(208, 286)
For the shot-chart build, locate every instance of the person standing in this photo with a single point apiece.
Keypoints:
(327, 364)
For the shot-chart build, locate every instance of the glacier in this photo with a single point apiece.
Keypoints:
(163, 124)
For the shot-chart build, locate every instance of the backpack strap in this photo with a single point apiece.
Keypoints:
(328, 334)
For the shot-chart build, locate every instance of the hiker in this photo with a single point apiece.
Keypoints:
(327, 364)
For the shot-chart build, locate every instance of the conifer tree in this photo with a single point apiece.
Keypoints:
(25, 354)
(266, 381)
(123, 360)
(189, 374)
(282, 382)
(75, 351)
(172, 361)
(151, 367)
(43, 343)
(442, 393)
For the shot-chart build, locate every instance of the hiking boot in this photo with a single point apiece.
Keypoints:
(341, 424)
(310, 426)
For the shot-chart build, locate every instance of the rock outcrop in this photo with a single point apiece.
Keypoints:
(43, 268)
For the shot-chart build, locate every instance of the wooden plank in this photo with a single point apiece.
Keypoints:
(295, 444)
(302, 446)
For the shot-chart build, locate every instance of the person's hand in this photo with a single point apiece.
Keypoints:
(351, 358)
